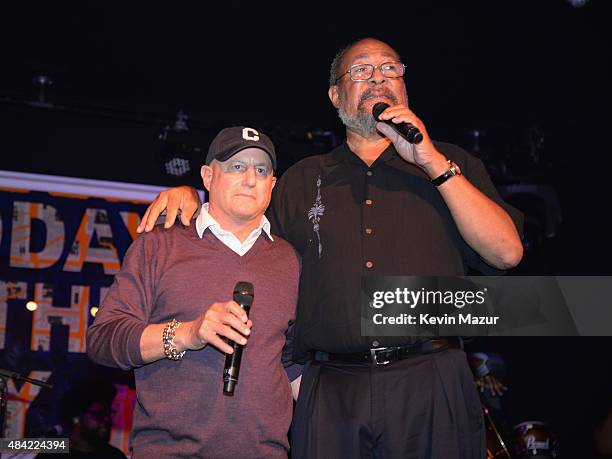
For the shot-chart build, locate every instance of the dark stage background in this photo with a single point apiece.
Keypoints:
(524, 85)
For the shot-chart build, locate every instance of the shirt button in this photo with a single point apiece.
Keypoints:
(375, 343)
(368, 230)
(368, 202)
(369, 173)
(369, 264)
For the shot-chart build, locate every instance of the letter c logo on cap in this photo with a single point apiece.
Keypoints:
(250, 134)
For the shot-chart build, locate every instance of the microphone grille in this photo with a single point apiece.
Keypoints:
(378, 108)
(244, 291)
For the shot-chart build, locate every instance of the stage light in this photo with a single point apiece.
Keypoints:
(31, 306)
(177, 166)
(178, 151)
(93, 311)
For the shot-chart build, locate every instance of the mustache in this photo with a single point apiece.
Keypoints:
(378, 92)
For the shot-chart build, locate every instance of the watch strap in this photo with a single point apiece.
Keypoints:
(450, 172)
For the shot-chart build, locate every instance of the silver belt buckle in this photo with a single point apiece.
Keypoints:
(375, 358)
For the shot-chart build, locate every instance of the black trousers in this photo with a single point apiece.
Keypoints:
(422, 407)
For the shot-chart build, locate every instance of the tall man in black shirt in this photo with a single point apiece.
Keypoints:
(378, 205)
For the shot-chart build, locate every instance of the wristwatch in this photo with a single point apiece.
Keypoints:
(453, 169)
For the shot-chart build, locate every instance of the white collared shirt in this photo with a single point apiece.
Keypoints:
(205, 220)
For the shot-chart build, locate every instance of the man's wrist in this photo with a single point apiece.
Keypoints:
(452, 171)
(436, 166)
(181, 337)
(173, 347)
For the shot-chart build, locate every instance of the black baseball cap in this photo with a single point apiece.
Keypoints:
(231, 140)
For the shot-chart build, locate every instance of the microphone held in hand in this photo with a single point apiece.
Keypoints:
(406, 130)
(243, 295)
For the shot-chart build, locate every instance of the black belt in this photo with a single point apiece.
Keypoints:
(386, 355)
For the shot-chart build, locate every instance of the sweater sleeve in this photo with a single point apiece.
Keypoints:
(114, 337)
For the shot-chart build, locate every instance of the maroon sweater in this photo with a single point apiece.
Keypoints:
(181, 410)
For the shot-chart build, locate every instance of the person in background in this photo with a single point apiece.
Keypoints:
(87, 416)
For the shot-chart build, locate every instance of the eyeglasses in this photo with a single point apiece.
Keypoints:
(363, 72)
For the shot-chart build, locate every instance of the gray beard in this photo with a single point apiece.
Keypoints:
(362, 123)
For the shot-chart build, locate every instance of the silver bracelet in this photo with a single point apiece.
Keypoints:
(168, 340)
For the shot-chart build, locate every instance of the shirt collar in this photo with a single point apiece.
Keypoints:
(206, 220)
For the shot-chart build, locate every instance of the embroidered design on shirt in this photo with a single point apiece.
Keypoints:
(315, 213)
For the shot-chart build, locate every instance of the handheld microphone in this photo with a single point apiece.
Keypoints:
(406, 130)
(243, 295)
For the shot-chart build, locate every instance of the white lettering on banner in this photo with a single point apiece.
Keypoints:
(90, 249)
(9, 291)
(23, 214)
(250, 134)
(19, 402)
(75, 317)
(51, 227)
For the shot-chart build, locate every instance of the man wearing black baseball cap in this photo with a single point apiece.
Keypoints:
(169, 314)
(238, 175)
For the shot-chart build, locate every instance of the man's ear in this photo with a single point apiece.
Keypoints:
(332, 93)
(206, 172)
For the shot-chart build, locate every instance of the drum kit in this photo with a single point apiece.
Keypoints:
(531, 439)
(535, 440)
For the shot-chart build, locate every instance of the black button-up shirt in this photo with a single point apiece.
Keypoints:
(348, 220)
